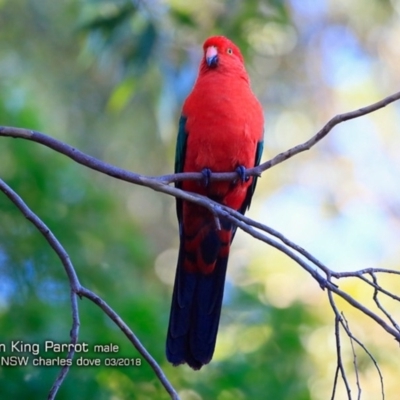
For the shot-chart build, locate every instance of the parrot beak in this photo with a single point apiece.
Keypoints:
(212, 56)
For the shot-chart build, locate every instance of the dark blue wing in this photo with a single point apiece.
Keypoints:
(246, 204)
(180, 155)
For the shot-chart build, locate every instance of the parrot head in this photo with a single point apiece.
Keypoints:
(219, 52)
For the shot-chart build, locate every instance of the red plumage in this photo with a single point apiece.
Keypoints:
(221, 130)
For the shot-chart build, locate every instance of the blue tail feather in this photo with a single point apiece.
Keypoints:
(195, 313)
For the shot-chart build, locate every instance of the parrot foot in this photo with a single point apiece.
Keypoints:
(241, 171)
(206, 172)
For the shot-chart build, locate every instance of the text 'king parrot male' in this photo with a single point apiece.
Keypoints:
(220, 130)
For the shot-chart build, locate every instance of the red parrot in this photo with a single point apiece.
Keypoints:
(220, 130)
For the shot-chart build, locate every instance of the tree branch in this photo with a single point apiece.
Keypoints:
(68, 267)
(78, 289)
(131, 177)
(323, 132)
(132, 338)
(339, 366)
(74, 339)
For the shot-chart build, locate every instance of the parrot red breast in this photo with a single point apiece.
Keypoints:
(220, 130)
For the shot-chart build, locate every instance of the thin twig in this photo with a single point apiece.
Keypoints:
(343, 321)
(323, 132)
(336, 376)
(339, 366)
(376, 286)
(133, 339)
(69, 269)
(74, 339)
(356, 274)
(379, 305)
(345, 325)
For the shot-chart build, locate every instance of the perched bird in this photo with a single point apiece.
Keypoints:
(220, 130)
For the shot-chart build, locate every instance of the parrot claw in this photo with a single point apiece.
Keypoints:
(241, 171)
(206, 172)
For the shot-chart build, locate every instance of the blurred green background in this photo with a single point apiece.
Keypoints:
(109, 78)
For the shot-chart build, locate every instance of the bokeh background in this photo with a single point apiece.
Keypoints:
(109, 78)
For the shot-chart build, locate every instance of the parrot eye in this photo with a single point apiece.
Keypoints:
(229, 51)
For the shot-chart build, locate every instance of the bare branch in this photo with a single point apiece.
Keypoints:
(74, 339)
(133, 339)
(344, 322)
(352, 274)
(119, 173)
(379, 305)
(340, 318)
(77, 289)
(323, 132)
(339, 367)
(345, 325)
(69, 269)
